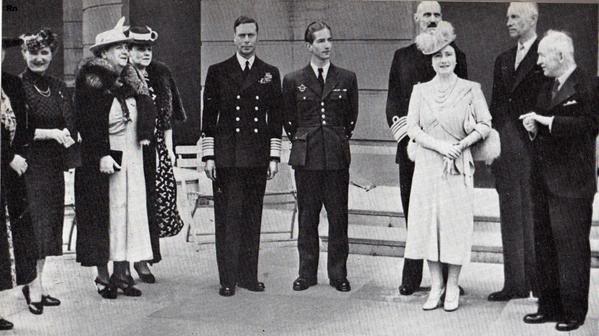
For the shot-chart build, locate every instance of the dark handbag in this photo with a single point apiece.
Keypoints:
(72, 157)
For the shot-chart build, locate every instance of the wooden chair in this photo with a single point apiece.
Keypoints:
(279, 192)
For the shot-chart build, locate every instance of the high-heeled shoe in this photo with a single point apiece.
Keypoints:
(50, 301)
(434, 299)
(106, 290)
(125, 285)
(145, 277)
(36, 308)
(451, 302)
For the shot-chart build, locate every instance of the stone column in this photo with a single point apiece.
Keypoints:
(73, 45)
(98, 16)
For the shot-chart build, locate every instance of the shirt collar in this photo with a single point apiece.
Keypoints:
(527, 44)
(564, 77)
(242, 61)
(325, 69)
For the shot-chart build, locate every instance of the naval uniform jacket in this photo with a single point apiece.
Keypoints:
(241, 123)
(320, 124)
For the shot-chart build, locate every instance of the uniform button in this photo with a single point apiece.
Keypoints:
(237, 108)
(321, 103)
(323, 116)
(238, 97)
(340, 96)
(324, 122)
(255, 130)
(237, 130)
(256, 108)
(322, 109)
(256, 119)
(257, 97)
(304, 98)
(351, 123)
(237, 119)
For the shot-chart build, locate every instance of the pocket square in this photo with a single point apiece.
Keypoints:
(570, 102)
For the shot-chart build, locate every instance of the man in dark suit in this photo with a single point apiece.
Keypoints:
(516, 83)
(410, 66)
(321, 108)
(563, 128)
(241, 145)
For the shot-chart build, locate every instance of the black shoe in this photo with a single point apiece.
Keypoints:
(50, 301)
(301, 284)
(226, 291)
(125, 285)
(253, 287)
(504, 295)
(407, 290)
(537, 318)
(462, 291)
(341, 285)
(145, 277)
(36, 308)
(107, 290)
(568, 325)
(5, 325)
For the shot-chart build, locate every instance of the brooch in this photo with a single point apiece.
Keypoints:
(266, 79)
(301, 88)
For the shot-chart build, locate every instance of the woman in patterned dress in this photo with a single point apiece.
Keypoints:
(110, 189)
(18, 267)
(159, 156)
(51, 122)
(446, 116)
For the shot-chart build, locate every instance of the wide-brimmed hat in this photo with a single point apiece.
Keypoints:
(142, 35)
(11, 42)
(39, 40)
(429, 43)
(112, 36)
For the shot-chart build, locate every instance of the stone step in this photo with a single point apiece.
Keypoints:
(390, 241)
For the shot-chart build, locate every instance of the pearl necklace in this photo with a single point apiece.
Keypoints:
(46, 93)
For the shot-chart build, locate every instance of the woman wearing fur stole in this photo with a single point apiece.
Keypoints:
(113, 109)
(161, 188)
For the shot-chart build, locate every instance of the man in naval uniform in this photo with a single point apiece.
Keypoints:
(241, 145)
(321, 108)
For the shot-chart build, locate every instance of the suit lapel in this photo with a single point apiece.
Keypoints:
(234, 70)
(508, 68)
(330, 82)
(567, 90)
(253, 75)
(310, 80)
(527, 64)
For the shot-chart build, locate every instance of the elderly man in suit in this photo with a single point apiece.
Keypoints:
(321, 108)
(563, 129)
(410, 66)
(241, 144)
(516, 83)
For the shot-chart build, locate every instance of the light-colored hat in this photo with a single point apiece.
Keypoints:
(431, 43)
(142, 35)
(115, 35)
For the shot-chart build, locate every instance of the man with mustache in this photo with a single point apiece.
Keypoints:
(410, 66)
(516, 83)
(321, 108)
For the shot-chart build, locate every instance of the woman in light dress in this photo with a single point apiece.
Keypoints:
(446, 116)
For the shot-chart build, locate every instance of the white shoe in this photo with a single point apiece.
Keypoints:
(434, 299)
(452, 302)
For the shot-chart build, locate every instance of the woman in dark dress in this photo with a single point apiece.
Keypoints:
(51, 121)
(159, 157)
(16, 236)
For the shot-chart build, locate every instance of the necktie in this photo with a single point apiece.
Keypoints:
(321, 79)
(519, 55)
(554, 88)
(246, 70)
